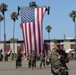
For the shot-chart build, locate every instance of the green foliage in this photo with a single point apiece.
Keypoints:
(3, 8)
(14, 16)
(48, 28)
(1, 18)
(73, 15)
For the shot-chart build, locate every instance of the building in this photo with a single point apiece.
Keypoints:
(48, 44)
(18, 44)
(64, 43)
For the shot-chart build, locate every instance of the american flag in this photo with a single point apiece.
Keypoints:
(31, 23)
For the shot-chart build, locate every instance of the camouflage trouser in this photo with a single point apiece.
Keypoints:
(18, 64)
(29, 63)
(42, 62)
(55, 72)
(33, 63)
(64, 71)
(60, 71)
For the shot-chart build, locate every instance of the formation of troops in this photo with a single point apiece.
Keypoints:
(32, 58)
(57, 58)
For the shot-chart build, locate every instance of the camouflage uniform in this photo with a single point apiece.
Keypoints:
(29, 59)
(1, 57)
(33, 60)
(58, 66)
(42, 59)
(19, 59)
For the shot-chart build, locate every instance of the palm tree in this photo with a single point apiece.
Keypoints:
(73, 16)
(48, 28)
(1, 18)
(14, 17)
(3, 9)
(33, 4)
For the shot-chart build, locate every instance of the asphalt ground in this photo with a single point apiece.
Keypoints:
(8, 68)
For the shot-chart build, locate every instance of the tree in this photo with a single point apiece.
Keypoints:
(3, 9)
(33, 4)
(48, 28)
(1, 18)
(73, 16)
(14, 17)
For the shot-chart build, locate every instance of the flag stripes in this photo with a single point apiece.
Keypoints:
(32, 30)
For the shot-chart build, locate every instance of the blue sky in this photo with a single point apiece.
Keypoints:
(58, 18)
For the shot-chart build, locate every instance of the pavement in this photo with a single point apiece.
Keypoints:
(8, 68)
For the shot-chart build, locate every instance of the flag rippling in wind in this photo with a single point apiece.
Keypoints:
(31, 23)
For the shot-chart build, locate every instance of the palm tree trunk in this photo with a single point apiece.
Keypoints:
(14, 37)
(4, 36)
(49, 35)
(75, 33)
(0, 31)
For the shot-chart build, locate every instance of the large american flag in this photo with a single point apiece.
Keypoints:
(31, 23)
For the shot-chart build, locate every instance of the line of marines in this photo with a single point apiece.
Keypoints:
(58, 59)
(32, 57)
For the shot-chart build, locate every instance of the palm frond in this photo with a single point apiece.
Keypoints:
(14, 16)
(1, 18)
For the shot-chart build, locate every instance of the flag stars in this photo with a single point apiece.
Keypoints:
(28, 14)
